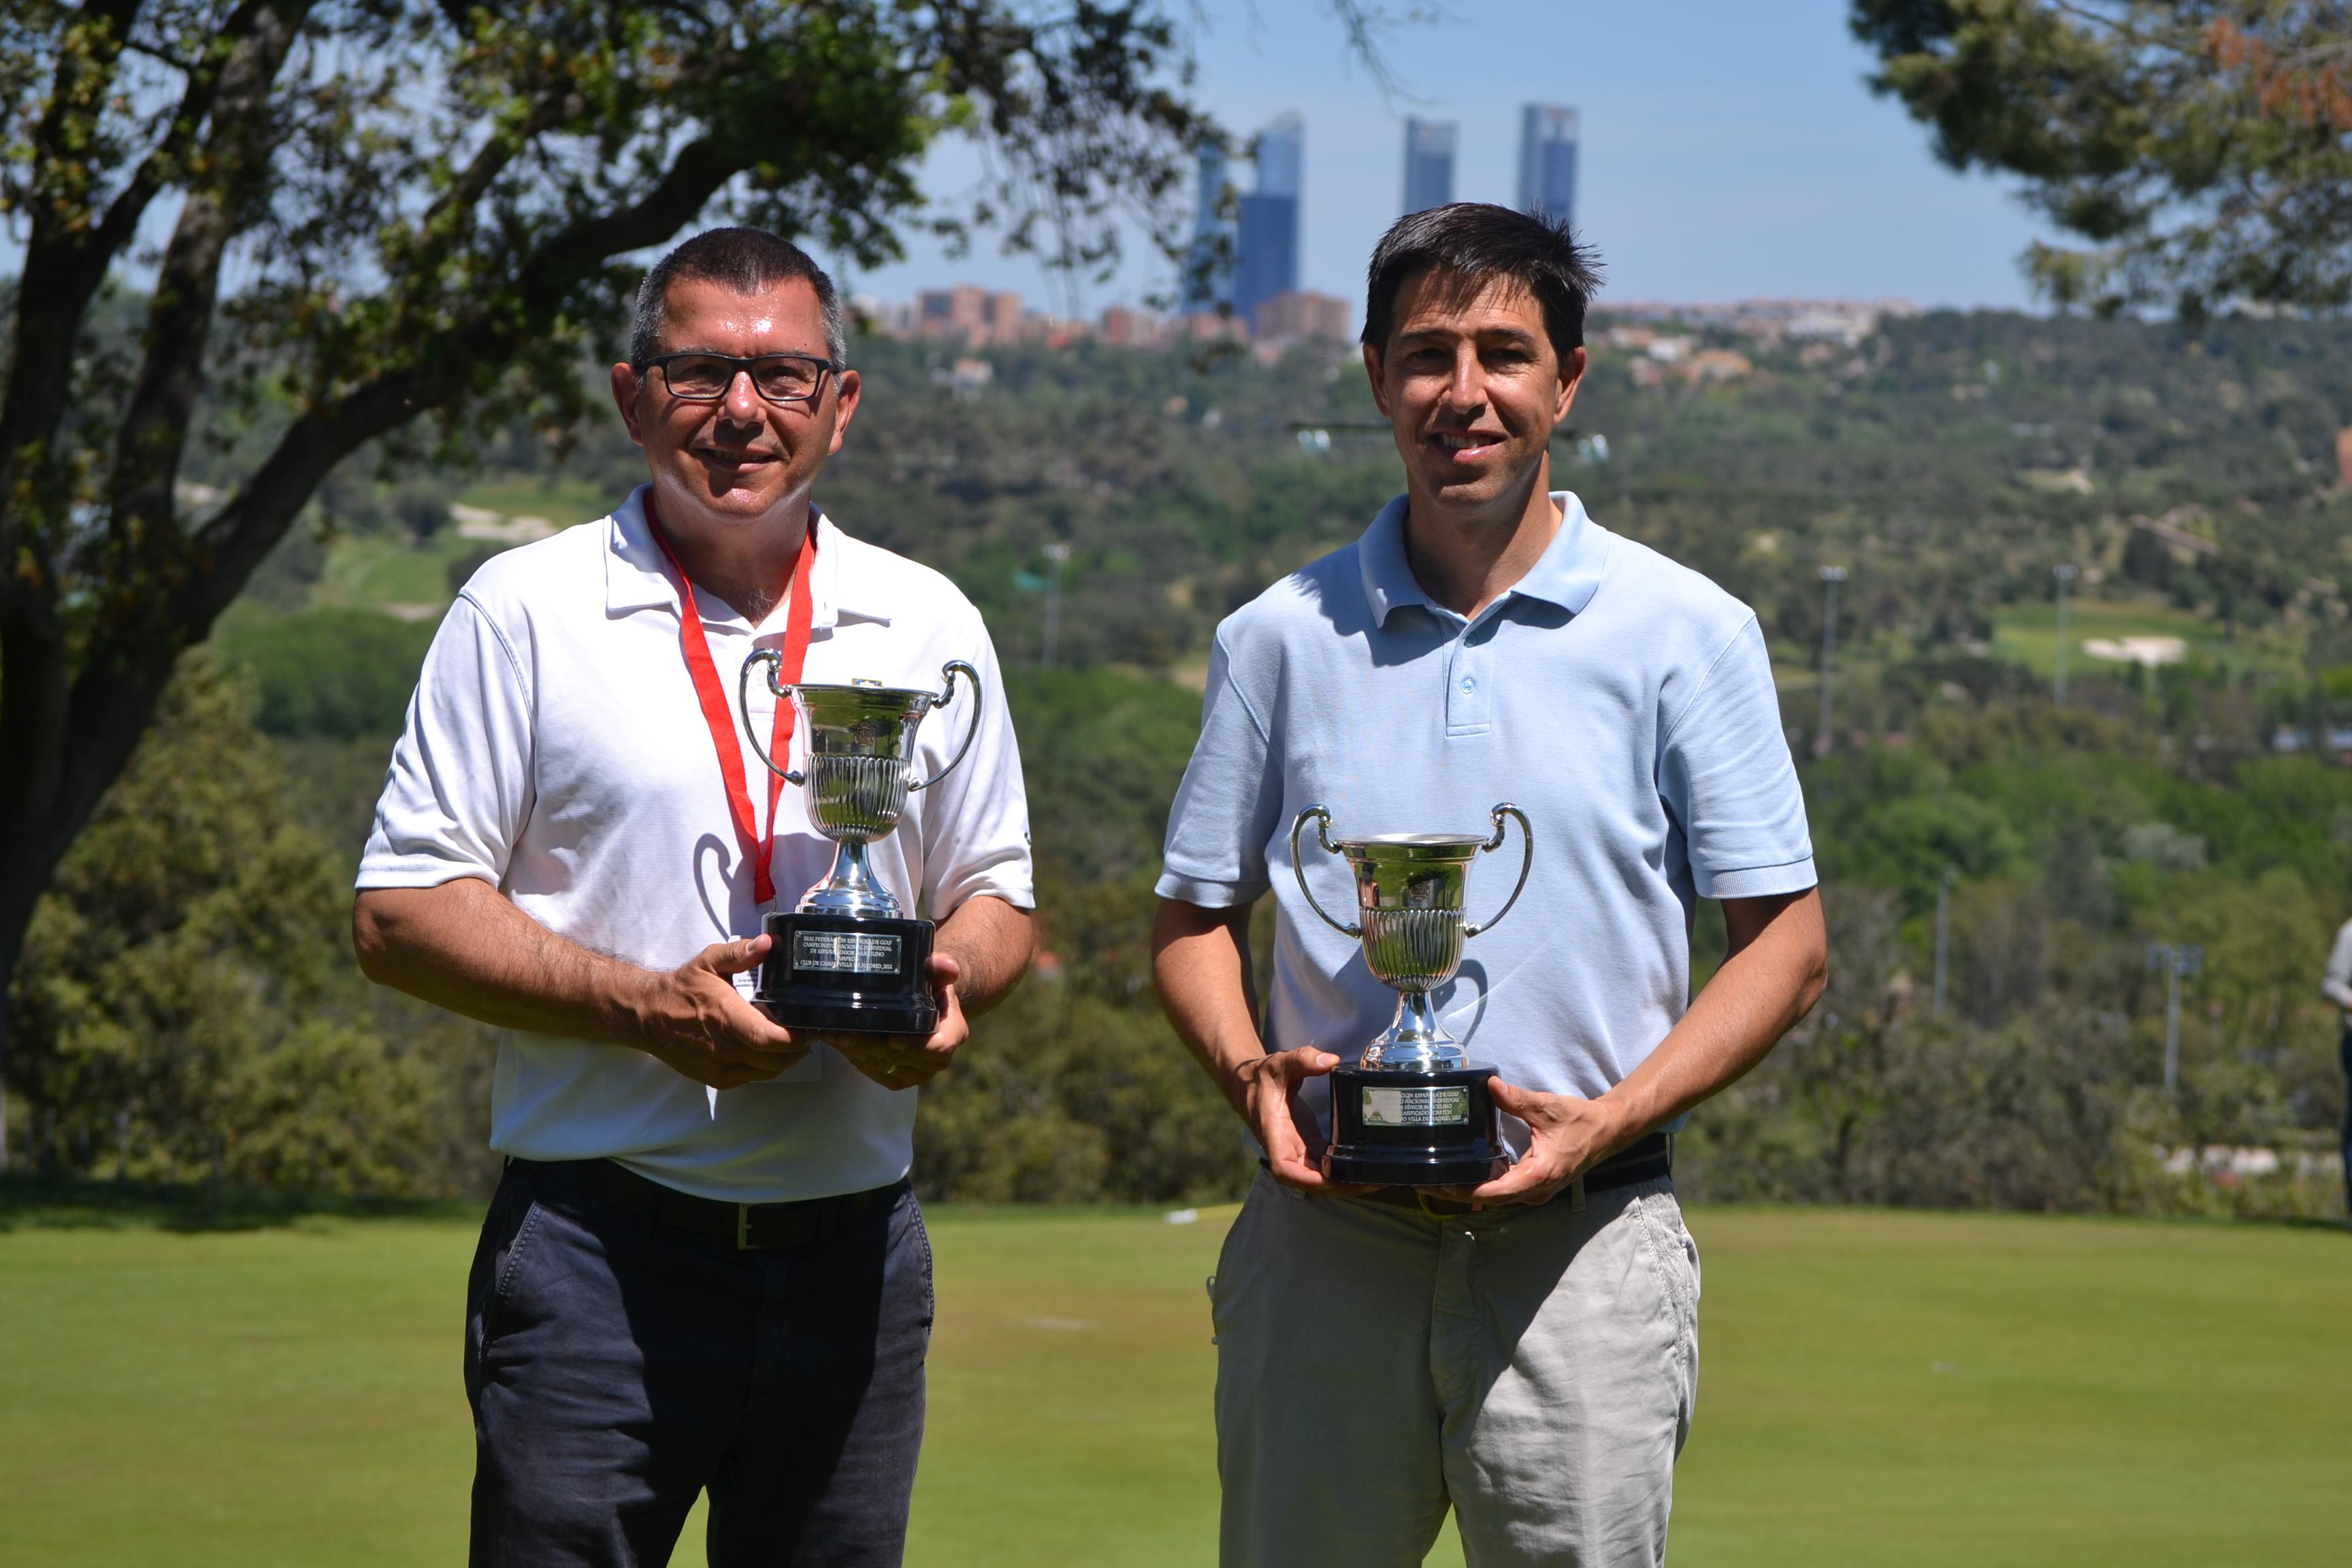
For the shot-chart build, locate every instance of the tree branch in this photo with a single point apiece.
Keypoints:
(143, 532)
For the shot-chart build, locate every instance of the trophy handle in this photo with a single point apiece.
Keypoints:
(1322, 831)
(1526, 861)
(775, 663)
(970, 730)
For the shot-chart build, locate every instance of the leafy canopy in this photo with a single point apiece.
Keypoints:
(2203, 147)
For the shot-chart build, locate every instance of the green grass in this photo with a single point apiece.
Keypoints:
(1875, 1388)
(562, 500)
(2029, 633)
(368, 570)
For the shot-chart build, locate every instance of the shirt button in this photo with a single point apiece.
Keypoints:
(1469, 683)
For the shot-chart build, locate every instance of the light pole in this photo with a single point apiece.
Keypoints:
(1055, 555)
(1942, 932)
(2065, 575)
(1831, 577)
(2176, 958)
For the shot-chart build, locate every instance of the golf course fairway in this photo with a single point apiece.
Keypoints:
(1875, 1388)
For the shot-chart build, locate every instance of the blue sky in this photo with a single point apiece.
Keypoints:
(1730, 150)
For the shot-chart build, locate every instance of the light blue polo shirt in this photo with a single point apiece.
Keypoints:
(1623, 702)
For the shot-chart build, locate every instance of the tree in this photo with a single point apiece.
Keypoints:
(2204, 147)
(362, 213)
(187, 1007)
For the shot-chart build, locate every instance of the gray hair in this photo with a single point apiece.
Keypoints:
(748, 260)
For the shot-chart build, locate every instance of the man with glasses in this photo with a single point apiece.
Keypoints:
(703, 1269)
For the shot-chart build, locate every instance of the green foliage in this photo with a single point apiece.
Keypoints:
(336, 674)
(2204, 147)
(1077, 1090)
(187, 1008)
(2049, 1100)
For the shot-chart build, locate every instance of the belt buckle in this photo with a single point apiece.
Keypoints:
(744, 1228)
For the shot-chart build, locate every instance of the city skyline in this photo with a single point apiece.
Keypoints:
(1734, 154)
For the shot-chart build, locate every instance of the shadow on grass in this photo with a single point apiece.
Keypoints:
(33, 1203)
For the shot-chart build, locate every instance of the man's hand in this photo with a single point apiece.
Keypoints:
(1568, 1137)
(697, 1021)
(904, 1061)
(1286, 1129)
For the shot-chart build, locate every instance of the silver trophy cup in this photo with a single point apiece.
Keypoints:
(1409, 911)
(1413, 1110)
(847, 956)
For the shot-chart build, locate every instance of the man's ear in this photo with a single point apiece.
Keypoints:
(846, 389)
(1372, 373)
(1572, 377)
(625, 382)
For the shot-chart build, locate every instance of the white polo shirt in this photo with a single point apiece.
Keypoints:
(555, 750)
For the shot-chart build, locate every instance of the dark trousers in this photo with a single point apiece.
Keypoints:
(2344, 1056)
(618, 1369)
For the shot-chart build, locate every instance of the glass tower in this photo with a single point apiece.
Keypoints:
(1208, 279)
(1428, 163)
(1266, 249)
(1548, 160)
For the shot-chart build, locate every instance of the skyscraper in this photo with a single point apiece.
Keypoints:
(1208, 279)
(1266, 247)
(1548, 160)
(1428, 164)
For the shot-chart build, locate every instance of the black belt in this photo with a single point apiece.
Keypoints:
(747, 1227)
(1648, 1159)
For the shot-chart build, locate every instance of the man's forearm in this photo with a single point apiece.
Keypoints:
(1772, 978)
(1200, 963)
(465, 946)
(992, 942)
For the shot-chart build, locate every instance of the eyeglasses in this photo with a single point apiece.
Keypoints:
(705, 377)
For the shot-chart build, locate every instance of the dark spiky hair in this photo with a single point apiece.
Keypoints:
(1477, 241)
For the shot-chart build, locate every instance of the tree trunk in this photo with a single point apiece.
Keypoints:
(20, 889)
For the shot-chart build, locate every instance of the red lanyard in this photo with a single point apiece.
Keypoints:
(721, 718)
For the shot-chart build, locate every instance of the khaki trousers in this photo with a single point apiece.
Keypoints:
(1533, 1369)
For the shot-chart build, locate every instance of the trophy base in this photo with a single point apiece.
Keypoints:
(848, 972)
(1392, 1128)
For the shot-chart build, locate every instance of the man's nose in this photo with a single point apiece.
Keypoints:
(743, 405)
(1465, 389)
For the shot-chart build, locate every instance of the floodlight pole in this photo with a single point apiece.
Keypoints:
(1942, 932)
(1831, 577)
(1056, 554)
(2176, 958)
(2065, 575)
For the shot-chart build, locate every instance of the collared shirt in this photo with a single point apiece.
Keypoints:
(1623, 702)
(555, 749)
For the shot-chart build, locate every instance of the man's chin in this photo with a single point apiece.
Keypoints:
(1455, 487)
(750, 493)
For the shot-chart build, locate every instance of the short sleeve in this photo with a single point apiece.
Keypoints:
(976, 821)
(1727, 777)
(459, 790)
(1227, 804)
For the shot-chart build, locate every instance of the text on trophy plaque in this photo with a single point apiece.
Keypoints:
(1447, 1107)
(845, 953)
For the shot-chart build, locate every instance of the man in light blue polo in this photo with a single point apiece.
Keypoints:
(1524, 1352)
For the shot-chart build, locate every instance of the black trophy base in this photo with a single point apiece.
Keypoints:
(1415, 1129)
(842, 972)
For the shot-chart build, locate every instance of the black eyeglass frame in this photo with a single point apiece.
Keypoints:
(736, 367)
